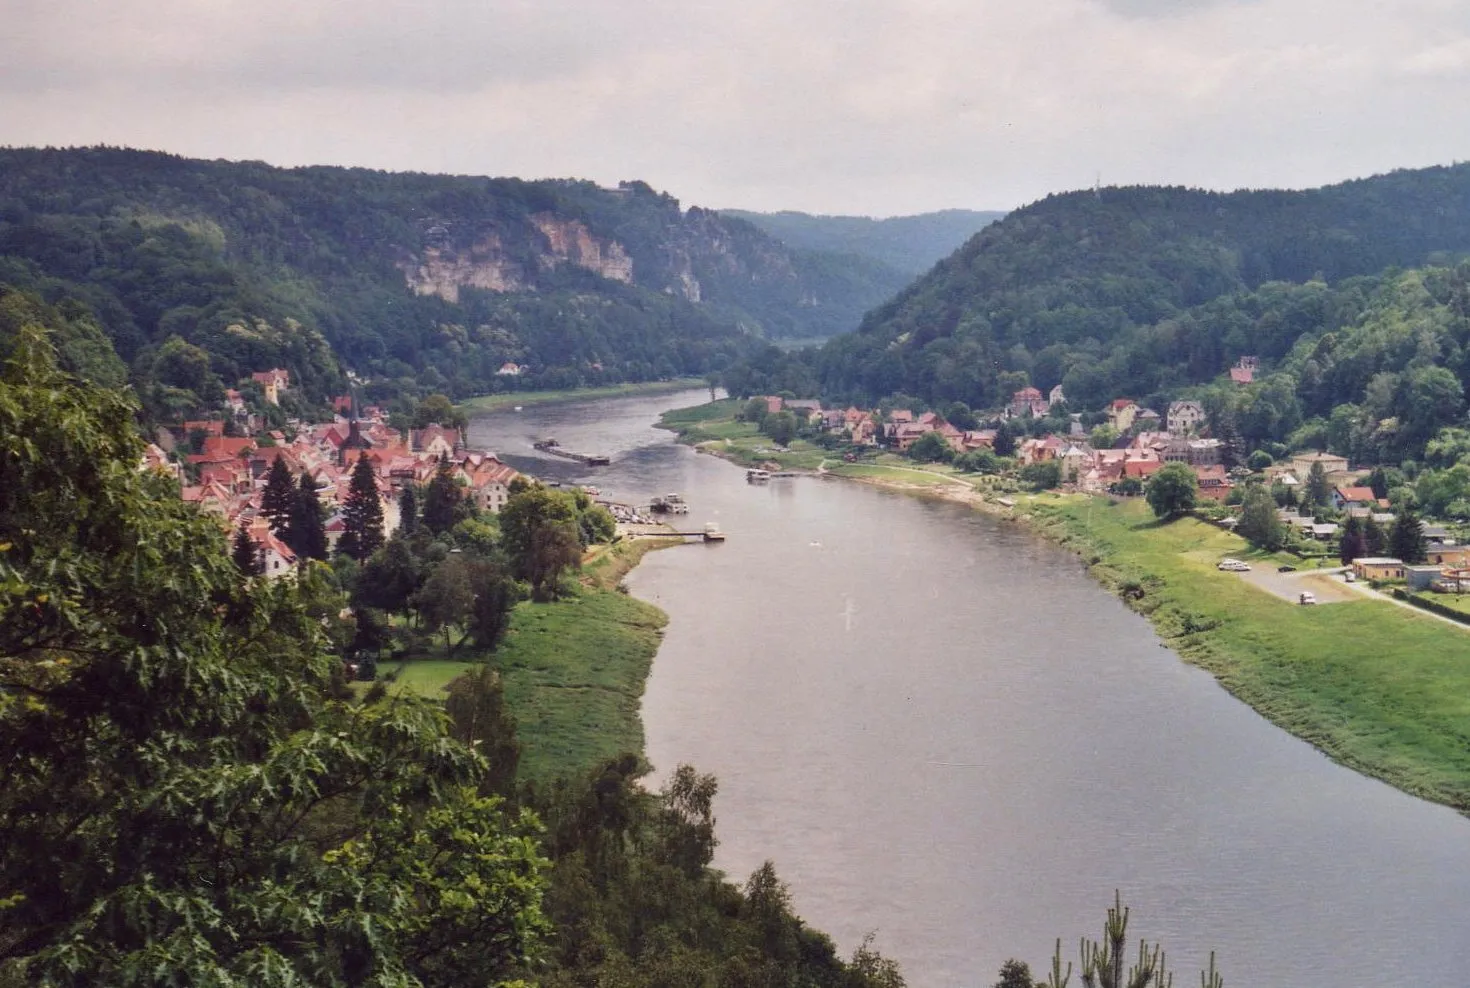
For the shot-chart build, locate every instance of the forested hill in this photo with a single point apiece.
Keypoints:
(1078, 289)
(908, 245)
(439, 279)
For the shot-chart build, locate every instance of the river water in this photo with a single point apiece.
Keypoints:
(940, 729)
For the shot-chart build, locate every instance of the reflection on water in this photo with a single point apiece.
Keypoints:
(939, 728)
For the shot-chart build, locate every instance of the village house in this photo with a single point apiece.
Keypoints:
(1457, 556)
(1214, 483)
(434, 440)
(1184, 417)
(1027, 401)
(1057, 397)
(1301, 463)
(1244, 371)
(1378, 568)
(805, 409)
(154, 458)
(272, 383)
(979, 439)
(510, 369)
(1353, 497)
(1121, 414)
(276, 557)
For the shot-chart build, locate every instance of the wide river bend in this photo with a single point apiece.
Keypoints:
(940, 729)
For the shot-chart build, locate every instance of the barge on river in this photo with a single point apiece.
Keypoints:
(555, 449)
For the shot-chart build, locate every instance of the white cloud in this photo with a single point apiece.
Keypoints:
(832, 105)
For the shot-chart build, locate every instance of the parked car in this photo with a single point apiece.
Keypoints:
(1233, 566)
(1306, 598)
(1286, 569)
(1350, 577)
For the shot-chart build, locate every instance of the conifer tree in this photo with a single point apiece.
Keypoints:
(408, 510)
(1378, 481)
(1407, 541)
(442, 508)
(278, 496)
(307, 535)
(362, 514)
(1354, 545)
(246, 554)
(1319, 491)
(1374, 541)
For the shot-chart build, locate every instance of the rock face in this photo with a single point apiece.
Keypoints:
(572, 243)
(443, 270)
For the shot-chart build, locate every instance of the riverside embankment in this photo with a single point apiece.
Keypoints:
(1384, 690)
(939, 726)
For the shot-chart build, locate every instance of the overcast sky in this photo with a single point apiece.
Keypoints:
(839, 106)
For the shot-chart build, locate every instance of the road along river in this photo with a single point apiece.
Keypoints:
(940, 729)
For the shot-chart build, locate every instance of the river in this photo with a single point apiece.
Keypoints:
(940, 729)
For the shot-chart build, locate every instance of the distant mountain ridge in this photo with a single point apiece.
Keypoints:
(1098, 289)
(408, 276)
(907, 244)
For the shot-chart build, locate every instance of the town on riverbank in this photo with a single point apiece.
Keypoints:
(1365, 678)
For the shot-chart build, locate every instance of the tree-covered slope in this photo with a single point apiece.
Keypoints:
(907, 245)
(432, 277)
(1057, 288)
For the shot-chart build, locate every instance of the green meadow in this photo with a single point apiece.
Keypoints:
(1377, 687)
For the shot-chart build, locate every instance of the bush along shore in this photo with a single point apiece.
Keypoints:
(1376, 687)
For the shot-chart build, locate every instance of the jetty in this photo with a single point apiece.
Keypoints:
(556, 449)
(710, 533)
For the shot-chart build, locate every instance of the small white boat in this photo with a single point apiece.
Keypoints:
(757, 476)
(517, 408)
(712, 533)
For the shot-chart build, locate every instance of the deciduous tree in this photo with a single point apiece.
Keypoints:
(444, 504)
(1258, 521)
(541, 535)
(1172, 491)
(184, 801)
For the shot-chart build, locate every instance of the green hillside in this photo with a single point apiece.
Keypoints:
(906, 245)
(413, 280)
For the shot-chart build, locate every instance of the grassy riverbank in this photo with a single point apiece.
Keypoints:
(510, 399)
(712, 428)
(1377, 687)
(573, 669)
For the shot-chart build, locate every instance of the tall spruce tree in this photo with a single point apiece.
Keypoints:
(1407, 541)
(246, 554)
(278, 497)
(1374, 541)
(442, 501)
(1319, 490)
(408, 510)
(1353, 545)
(307, 534)
(362, 514)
